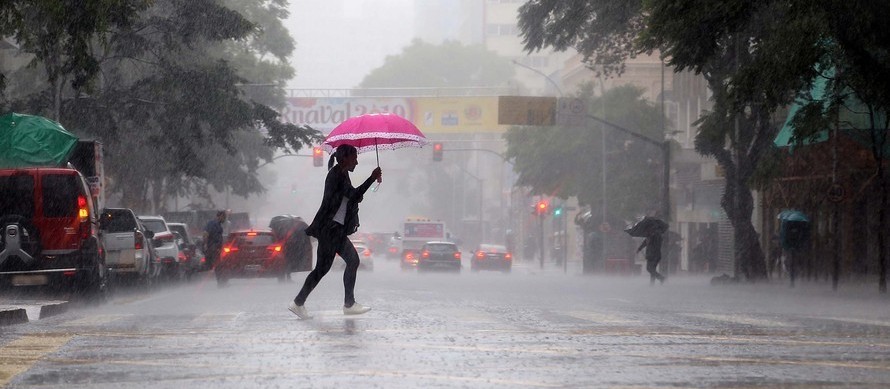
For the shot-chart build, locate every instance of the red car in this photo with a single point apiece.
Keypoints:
(249, 254)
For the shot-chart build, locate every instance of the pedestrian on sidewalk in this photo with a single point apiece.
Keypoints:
(213, 239)
(652, 243)
(336, 219)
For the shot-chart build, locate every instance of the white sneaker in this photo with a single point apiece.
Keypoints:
(355, 309)
(299, 310)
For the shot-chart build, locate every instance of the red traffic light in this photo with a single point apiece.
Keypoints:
(437, 151)
(542, 207)
(317, 156)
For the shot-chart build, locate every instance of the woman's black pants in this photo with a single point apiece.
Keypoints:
(332, 241)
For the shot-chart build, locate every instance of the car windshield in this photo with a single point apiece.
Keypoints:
(441, 248)
(154, 225)
(17, 195)
(258, 239)
(117, 220)
(492, 248)
(181, 230)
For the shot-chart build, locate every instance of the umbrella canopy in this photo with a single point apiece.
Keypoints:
(793, 215)
(647, 227)
(375, 131)
(28, 140)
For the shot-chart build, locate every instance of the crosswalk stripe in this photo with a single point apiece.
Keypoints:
(741, 319)
(95, 320)
(870, 322)
(19, 355)
(598, 317)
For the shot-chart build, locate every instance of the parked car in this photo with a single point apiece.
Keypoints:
(170, 263)
(49, 231)
(491, 257)
(439, 255)
(128, 248)
(366, 261)
(249, 254)
(188, 248)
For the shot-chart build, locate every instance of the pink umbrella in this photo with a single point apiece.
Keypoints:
(375, 131)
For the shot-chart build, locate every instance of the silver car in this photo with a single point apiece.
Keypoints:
(128, 248)
(170, 260)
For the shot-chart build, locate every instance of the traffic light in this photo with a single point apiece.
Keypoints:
(317, 156)
(557, 212)
(542, 207)
(437, 151)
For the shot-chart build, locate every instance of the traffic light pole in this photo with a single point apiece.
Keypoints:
(541, 236)
(665, 147)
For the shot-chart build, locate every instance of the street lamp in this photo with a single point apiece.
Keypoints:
(555, 85)
(665, 147)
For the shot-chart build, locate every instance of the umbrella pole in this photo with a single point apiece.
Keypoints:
(376, 152)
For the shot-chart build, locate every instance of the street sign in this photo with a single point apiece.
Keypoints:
(836, 193)
(571, 112)
(526, 110)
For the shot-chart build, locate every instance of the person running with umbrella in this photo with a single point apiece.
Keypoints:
(652, 230)
(336, 219)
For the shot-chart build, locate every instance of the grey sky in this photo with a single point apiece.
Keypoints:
(340, 41)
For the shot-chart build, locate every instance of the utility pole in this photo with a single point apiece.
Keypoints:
(665, 147)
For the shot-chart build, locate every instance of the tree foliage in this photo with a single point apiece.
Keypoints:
(450, 64)
(195, 82)
(568, 161)
(61, 36)
(754, 55)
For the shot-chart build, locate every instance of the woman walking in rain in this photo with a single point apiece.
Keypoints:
(336, 219)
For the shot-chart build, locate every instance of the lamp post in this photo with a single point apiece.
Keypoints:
(546, 77)
(665, 147)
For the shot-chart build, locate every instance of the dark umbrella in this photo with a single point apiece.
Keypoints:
(647, 227)
(281, 224)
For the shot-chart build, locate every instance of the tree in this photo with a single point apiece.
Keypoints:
(61, 36)
(855, 64)
(568, 161)
(450, 64)
(739, 47)
(170, 80)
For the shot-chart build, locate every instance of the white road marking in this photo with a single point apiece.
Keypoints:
(741, 319)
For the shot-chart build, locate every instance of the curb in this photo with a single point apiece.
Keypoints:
(13, 316)
(53, 309)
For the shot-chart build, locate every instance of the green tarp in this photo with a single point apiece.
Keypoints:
(28, 140)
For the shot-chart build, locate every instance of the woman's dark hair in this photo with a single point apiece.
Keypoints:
(341, 153)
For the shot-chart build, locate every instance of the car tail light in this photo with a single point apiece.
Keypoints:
(274, 248)
(251, 233)
(480, 254)
(508, 256)
(229, 249)
(83, 212)
(139, 240)
(182, 257)
(393, 250)
(425, 254)
(409, 256)
(366, 253)
(457, 255)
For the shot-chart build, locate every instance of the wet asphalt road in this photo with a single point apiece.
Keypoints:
(530, 328)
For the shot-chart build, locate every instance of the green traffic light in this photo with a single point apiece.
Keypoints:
(557, 212)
